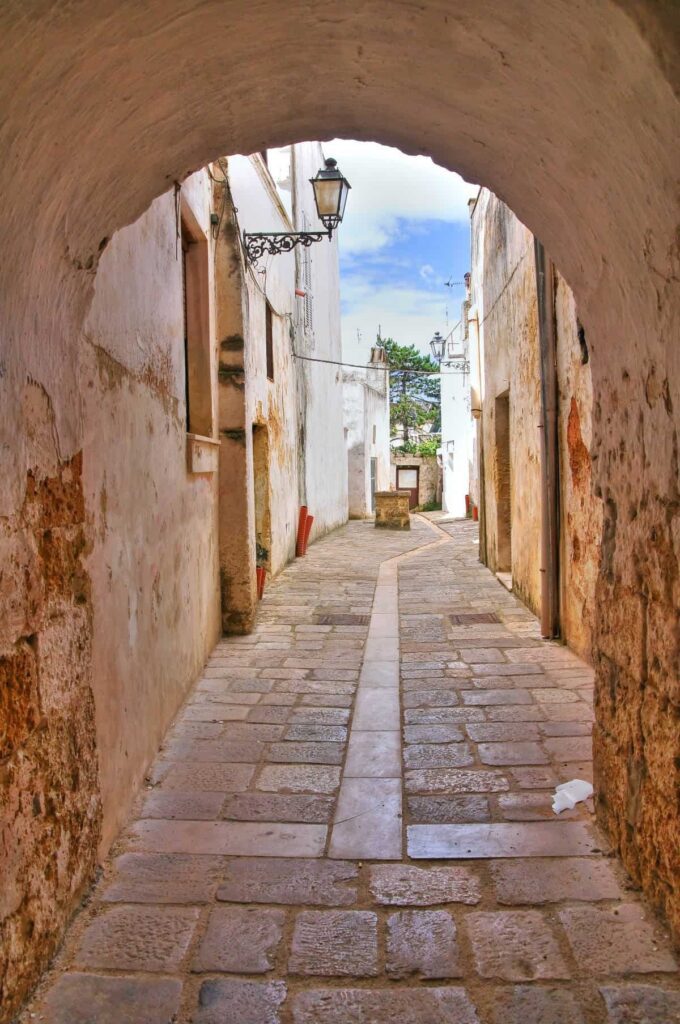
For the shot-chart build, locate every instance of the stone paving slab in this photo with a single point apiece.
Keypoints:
(352, 824)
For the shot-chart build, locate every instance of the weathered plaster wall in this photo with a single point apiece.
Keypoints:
(570, 122)
(109, 571)
(153, 563)
(504, 294)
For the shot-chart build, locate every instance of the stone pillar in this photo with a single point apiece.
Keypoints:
(391, 510)
(236, 517)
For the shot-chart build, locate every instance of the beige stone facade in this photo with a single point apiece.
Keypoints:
(505, 317)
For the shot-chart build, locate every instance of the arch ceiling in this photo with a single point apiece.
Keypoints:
(567, 109)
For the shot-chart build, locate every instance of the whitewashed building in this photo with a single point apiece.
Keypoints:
(456, 420)
(366, 398)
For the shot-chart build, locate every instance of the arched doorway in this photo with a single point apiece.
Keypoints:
(568, 119)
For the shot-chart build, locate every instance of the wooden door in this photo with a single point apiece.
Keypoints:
(408, 480)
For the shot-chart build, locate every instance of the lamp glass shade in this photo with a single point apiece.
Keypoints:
(331, 189)
(437, 345)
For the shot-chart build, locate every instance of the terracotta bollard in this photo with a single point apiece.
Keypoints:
(391, 510)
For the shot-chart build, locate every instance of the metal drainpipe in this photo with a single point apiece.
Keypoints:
(481, 481)
(550, 501)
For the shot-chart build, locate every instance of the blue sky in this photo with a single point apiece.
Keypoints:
(404, 235)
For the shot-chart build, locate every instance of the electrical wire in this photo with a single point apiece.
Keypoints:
(385, 369)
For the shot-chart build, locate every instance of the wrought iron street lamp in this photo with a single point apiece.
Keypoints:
(456, 361)
(331, 189)
(438, 344)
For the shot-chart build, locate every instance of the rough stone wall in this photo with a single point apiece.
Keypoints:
(569, 121)
(50, 811)
(429, 475)
(581, 509)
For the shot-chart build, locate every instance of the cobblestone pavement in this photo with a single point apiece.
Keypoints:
(312, 849)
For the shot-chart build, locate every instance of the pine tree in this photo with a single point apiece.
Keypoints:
(414, 397)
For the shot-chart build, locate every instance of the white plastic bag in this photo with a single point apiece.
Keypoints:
(570, 793)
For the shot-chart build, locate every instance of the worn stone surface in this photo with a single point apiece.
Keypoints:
(515, 946)
(82, 998)
(163, 878)
(293, 888)
(138, 939)
(387, 1006)
(429, 809)
(637, 1004)
(525, 1004)
(265, 880)
(240, 940)
(616, 941)
(248, 1002)
(545, 881)
(335, 942)
(405, 885)
(422, 943)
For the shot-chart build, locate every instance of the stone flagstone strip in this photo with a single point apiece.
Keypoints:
(369, 816)
(530, 839)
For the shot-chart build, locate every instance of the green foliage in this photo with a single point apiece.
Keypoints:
(426, 449)
(429, 447)
(414, 397)
(431, 506)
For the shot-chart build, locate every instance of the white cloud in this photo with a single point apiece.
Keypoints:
(408, 315)
(427, 271)
(388, 186)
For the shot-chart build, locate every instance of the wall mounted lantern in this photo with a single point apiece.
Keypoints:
(456, 361)
(331, 189)
(438, 345)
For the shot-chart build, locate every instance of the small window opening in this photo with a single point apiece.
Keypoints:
(374, 433)
(196, 316)
(270, 341)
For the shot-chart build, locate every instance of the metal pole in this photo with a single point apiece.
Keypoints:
(550, 500)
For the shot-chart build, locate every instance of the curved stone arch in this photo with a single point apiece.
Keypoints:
(568, 110)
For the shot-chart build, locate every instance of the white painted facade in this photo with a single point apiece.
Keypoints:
(456, 430)
(302, 406)
(367, 433)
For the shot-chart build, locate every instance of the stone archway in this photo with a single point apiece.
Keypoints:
(566, 111)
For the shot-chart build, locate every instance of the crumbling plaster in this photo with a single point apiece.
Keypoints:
(566, 110)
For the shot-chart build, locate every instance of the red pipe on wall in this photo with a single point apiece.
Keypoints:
(300, 539)
(308, 529)
(261, 575)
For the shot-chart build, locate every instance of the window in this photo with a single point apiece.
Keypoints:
(269, 341)
(305, 277)
(195, 294)
(374, 433)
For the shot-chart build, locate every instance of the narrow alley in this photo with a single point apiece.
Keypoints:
(350, 821)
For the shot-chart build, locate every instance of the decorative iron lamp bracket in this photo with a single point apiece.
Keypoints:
(331, 189)
(271, 243)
